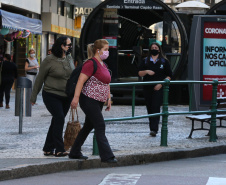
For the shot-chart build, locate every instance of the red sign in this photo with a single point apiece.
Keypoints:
(215, 30)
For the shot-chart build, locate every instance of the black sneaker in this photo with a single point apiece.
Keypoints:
(153, 133)
(78, 157)
(111, 160)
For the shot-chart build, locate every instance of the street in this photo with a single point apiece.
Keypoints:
(208, 170)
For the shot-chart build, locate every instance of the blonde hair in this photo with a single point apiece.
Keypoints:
(32, 49)
(93, 47)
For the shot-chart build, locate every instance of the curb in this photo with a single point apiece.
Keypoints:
(41, 169)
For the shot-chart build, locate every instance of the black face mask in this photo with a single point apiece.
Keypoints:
(154, 52)
(69, 51)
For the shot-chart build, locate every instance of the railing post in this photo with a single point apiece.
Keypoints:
(95, 146)
(213, 135)
(133, 101)
(164, 130)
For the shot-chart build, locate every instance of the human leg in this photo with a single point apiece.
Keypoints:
(54, 105)
(8, 87)
(157, 97)
(49, 142)
(147, 90)
(2, 91)
(92, 109)
(80, 139)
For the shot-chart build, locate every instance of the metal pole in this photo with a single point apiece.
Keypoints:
(164, 130)
(213, 136)
(191, 87)
(133, 101)
(21, 110)
(95, 146)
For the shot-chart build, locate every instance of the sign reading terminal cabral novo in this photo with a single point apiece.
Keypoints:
(214, 57)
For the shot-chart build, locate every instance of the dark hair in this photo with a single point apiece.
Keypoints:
(56, 49)
(161, 54)
(8, 57)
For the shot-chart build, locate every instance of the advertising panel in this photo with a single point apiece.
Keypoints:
(214, 58)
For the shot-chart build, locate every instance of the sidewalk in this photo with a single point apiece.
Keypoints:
(21, 154)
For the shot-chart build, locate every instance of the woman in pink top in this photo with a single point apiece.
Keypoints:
(91, 96)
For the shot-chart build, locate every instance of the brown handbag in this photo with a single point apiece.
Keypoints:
(72, 130)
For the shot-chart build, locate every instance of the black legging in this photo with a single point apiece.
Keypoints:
(5, 89)
(94, 119)
(58, 106)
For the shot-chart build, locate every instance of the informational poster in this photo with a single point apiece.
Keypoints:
(214, 57)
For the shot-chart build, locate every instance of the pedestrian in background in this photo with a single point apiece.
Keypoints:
(49, 52)
(154, 68)
(54, 72)
(9, 74)
(31, 66)
(92, 91)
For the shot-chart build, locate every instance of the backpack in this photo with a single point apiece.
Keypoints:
(72, 81)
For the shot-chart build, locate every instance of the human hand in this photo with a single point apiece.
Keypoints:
(158, 87)
(74, 103)
(150, 72)
(108, 105)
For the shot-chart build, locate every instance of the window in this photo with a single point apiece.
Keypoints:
(68, 8)
(60, 8)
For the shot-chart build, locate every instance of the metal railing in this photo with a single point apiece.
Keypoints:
(165, 113)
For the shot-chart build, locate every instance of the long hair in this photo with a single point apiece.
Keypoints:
(161, 54)
(92, 48)
(56, 49)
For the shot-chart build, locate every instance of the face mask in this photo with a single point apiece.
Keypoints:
(32, 55)
(105, 55)
(154, 52)
(69, 51)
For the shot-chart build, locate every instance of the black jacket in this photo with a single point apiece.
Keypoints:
(9, 70)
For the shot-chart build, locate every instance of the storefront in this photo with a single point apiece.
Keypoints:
(18, 34)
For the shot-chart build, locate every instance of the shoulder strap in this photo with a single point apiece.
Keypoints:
(94, 66)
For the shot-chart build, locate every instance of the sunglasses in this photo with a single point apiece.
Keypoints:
(68, 44)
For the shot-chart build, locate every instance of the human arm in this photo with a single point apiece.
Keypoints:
(146, 72)
(143, 70)
(108, 100)
(43, 72)
(27, 68)
(168, 73)
(81, 80)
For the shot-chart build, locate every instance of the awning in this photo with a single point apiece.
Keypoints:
(20, 22)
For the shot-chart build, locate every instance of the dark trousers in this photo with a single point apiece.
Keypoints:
(94, 119)
(58, 107)
(5, 89)
(153, 100)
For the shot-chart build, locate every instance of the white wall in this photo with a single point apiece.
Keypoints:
(30, 5)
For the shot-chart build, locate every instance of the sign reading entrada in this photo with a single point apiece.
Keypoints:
(134, 4)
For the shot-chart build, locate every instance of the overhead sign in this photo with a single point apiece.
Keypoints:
(214, 57)
(82, 11)
(134, 4)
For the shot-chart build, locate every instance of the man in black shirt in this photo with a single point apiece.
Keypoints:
(154, 68)
(9, 73)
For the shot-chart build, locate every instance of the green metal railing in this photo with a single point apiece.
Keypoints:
(165, 113)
